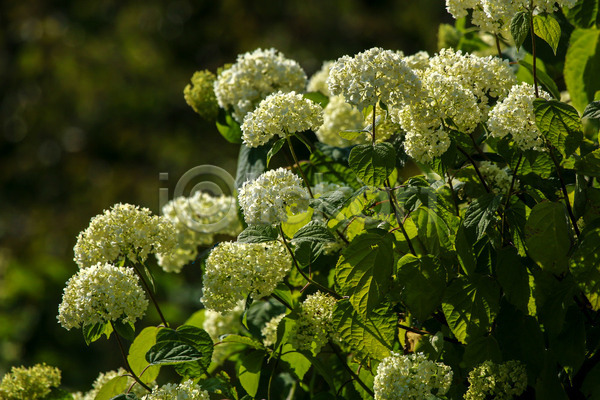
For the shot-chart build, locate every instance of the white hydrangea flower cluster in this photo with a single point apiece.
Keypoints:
(269, 331)
(281, 114)
(187, 390)
(197, 219)
(418, 61)
(268, 199)
(314, 324)
(495, 16)
(385, 127)
(29, 383)
(236, 270)
(498, 178)
(497, 381)
(102, 293)
(253, 77)
(318, 81)
(486, 77)
(124, 231)
(105, 377)
(339, 116)
(374, 75)
(411, 377)
(515, 116)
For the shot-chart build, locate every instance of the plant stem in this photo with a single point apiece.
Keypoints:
(485, 186)
(127, 366)
(498, 45)
(510, 189)
(282, 301)
(308, 279)
(162, 317)
(374, 119)
(352, 373)
(532, 32)
(564, 190)
(289, 141)
(399, 220)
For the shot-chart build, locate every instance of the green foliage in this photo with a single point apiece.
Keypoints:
(373, 164)
(548, 28)
(519, 27)
(581, 62)
(560, 124)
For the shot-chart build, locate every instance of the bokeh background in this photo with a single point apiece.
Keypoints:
(92, 110)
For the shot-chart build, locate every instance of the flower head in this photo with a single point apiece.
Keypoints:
(267, 199)
(280, 114)
(236, 270)
(372, 76)
(498, 381)
(318, 82)
(314, 326)
(339, 116)
(411, 377)
(200, 95)
(499, 179)
(124, 231)
(187, 390)
(253, 77)
(100, 294)
(515, 116)
(197, 219)
(29, 383)
(269, 331)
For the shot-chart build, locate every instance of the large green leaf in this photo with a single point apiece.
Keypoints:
(112, 388)
(481, 213)
(172, 352)
(519, 27)
(584, 14)
(470, 306)
(482, 349)
(548, 28)
(137, 354)
(93, 332)
(434, 232)
(423, 281)
(585, 267)
(228, 127)
(249, 370)
(559, 123)
(275, 149)
(309, 241)
(547, 236)
(364, 270)
(589, 164)
(582, 64)
(542, 78)
(513, 277)
(548, 385)
(371, 336)
(252, 161)
(373, 163)
(258, 234)
(569, 344)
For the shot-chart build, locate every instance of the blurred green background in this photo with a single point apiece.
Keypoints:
(92, 111)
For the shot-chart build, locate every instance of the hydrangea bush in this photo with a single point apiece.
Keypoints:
(345, 274)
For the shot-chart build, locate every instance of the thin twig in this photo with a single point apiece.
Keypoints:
(485, 186)
(564, 190)
(498, 45)
(282, 301)
(145, 284)
(400, 222)
(532, 32)
(127, 366)
(352, 373)
(289, 141)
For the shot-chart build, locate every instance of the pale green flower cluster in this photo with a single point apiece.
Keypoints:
(103, 378)
(314, 325)
(187, 390)
(280, 114)
(385, 128)
(498, 178)
(100, 294)
(269, 331)
(253, 77)
(411, 377)
(515, 116)
(339, 116)
(197, 219)
(495, 16)
(373, 75)
(200, 95)
(497, 381)
(236, 270)
(418, 61)
(268, 199)
(318, 81)
(124, 231)
(29, 383)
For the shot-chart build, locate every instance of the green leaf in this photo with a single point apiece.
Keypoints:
(584, 14)
(228, 127)
(542, 78)
(589, 164)
(581, 65)
(298, 363)
(548, 385)
(172, 352)
(252, 161)
(192, 336)
(592, 110)
(137, 354)
(318, 98)
(248, 341)
(482, 349)
(372, 336)
(112, 388)
(519, 27)
(481, 212)
(464, 251)
(126, 331)
(434, 232)
(275, 149)
(548, 237)
(58, 394)
(569, 344)
(364, 270)
(309, 241)
(91, 333)
(373, 163)
(559, 123)
(585, 267)
(249, 370)
(513, 277)
(547, 28)
(423, 281)
(258, 234)
(470, 306)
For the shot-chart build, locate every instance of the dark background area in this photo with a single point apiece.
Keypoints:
(92, 110)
